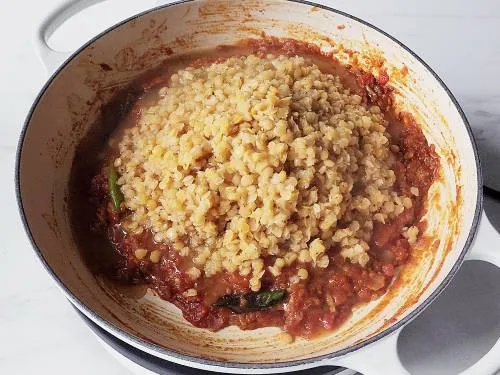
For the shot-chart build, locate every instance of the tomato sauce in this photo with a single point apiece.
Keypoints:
(321, 302)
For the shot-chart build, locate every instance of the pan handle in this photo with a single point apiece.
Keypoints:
(485, 246)
(51, 58)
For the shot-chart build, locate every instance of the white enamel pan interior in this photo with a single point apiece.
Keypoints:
(71, 100)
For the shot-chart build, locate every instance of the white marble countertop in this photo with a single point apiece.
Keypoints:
(39, 332)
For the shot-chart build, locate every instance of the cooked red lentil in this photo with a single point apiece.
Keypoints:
(265, 186)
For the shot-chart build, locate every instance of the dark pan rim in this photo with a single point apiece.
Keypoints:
(162, 366)
(176, 356)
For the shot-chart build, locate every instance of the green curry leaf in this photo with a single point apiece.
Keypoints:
(253, 301)
(114, 190)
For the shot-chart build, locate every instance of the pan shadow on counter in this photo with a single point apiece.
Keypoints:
(459, 327)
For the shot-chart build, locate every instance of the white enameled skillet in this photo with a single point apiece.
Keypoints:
(71, 100)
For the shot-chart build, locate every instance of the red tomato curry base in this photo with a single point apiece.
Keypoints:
(320, 303)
